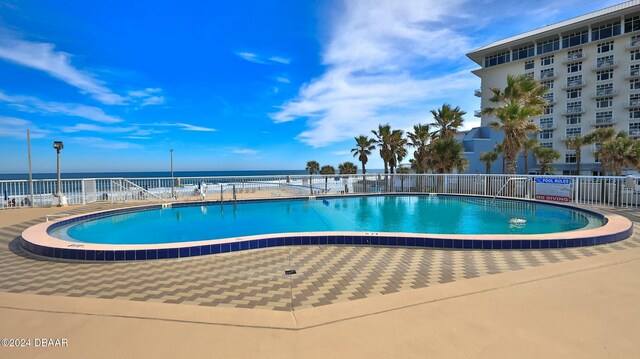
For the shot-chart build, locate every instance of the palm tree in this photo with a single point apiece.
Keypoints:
(383, 137)
(622, 151)
(419, 139)
(600, 136)
(576, 143)
(520, 101)
(327, 170)
(312, 167)
(528, 145)
(347, 168)
(364, 146)
(498, 149)
(445, 154)
(545, 156)
(448, 120)
(397, 149)
(488, 158)
(403, 171)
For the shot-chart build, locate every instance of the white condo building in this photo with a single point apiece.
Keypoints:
(591, 65)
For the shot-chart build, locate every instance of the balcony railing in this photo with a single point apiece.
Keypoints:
(573, 111)
(633, 104)
(574, 57)
(574, 84)
(633, 44)
(548, 125)
(605, 64)
(548, 75)
(634, 133)
(604, 93)
(633, 74)
(549, 98)
(604, 121)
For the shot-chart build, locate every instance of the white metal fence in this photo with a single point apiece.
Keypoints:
(600, 190)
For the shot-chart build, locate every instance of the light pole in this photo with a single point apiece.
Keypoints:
(173, 182)
(60, 199)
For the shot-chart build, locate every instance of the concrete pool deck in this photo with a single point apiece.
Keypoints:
(575, 302)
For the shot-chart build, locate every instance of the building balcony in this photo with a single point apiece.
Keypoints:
(634, 133)
(604, 93)
(573, 58)
(633, 104)
(574, 84)
(549, 98)
(573, 111)
(567, 137)
(633, 74)
(605, 65)
(633, 44)
(548, 76)
(477, 113)
(477, 93)
(604, 121)
(548, 126)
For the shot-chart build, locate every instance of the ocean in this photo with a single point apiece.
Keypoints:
(24, 176)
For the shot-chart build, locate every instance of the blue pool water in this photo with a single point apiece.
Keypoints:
(413, 214)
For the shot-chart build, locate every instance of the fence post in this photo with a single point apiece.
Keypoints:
(84, 195)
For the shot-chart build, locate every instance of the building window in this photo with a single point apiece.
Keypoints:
(574, 119)
(634, 70)
(605, 31)
(575, 39)
(632, 24)
(634, 84)
(574, 54)
(604, 118)
(604, 102)
(604, 75)
(573, 132)
(570, 157)
(634, 129)
(546, 123)
(546, 73)
(523, 52)
(546, 135)
(529, 74)
(547, 84)
(546, 144)
(604, 61)
(548, 46)
(528, 65)
(605, 47)
(634, 99)
(635, 55)
(546, 61)
(574, 80)
(577, 93)
(635, 40)
(548, 97)
(547, 110)
(604, 89)
(498, 59)
(574, 107)
(577, 67)
(634, 114)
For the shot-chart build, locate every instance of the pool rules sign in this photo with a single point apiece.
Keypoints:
(553, 189)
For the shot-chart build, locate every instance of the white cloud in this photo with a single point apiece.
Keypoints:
(257, 59)
(35, 105)
(95, 128)
(17, 128)
(148, 96)
(44, 57)
(282, 79)
(379, 63)
(182, 126)
(341, 153)
(97, 142)
(245, 151)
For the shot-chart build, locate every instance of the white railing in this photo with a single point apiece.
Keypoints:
(592, 190)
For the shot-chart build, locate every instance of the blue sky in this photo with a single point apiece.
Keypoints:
(237, 85)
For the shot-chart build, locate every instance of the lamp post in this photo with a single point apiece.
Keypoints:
(60, 198)
(173, 182)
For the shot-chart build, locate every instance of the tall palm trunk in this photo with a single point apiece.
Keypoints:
(578, 158)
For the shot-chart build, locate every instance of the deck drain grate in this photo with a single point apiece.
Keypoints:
(290, 272)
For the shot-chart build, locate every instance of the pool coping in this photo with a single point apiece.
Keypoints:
(36, 239)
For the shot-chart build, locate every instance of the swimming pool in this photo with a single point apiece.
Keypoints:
(188, 229)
